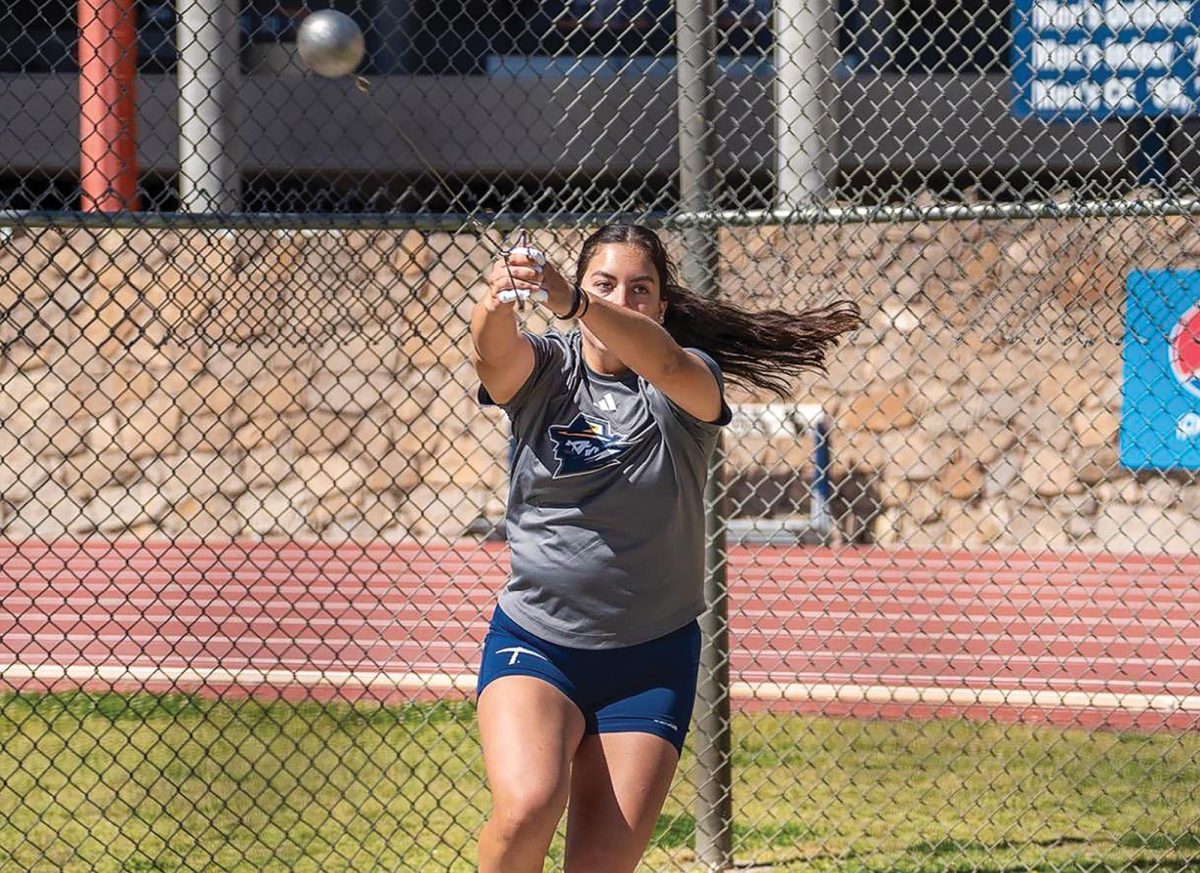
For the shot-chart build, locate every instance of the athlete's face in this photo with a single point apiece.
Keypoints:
(623, 274)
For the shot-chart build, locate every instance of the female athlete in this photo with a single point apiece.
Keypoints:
(589, 667)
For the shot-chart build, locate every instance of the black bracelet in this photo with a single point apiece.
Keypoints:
(575, 304)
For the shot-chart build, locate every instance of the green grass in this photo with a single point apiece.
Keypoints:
(123, 783)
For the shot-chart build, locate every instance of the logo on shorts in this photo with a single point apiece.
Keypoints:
(665, 723)
(585, 445)
(1185, 350)
(517, 651)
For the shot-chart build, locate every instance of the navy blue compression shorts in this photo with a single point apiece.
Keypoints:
(648, 688)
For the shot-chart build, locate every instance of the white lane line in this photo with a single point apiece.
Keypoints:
(43, 640)
(792, 595)
(954, 662)
(748, 676)
(26, 619)
(306, 562)
(39, 624)
(1004, 614)
(762, 691)
(834, 678)
(934, 696)
(16, 642)
(742, 621)
(376, 679)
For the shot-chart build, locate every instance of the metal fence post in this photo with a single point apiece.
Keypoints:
(714, 798)
(804, 39)
(108, 173)
(207, 37)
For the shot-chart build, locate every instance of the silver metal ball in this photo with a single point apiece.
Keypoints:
(330, 43)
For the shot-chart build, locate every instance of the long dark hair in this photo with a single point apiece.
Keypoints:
(765, 349)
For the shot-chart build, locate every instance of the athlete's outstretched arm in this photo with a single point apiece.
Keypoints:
(646, 348)
(639, 342)
(502, 356)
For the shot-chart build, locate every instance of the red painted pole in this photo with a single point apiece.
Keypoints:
(107, 122)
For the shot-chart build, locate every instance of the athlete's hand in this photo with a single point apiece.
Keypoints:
(508, 286)
(523, 274)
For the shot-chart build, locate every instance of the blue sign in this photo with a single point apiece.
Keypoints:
(1160, 411)
(1106, 58)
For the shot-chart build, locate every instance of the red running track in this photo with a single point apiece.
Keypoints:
(1072, 639)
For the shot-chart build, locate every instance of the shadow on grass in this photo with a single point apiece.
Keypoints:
(17, 707)
(1071, 865)
(1185, 843)
(1162, 842)
(947, 855)
(679, 831)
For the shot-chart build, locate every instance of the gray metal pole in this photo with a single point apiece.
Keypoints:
(804, 51)
(694, 42)
(714, 793)
(207, 38)
(714, 728)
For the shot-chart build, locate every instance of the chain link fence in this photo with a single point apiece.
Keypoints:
(251, 514)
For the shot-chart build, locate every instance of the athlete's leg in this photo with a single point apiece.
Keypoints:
(618, 785)
(623, 768)
(530, 731)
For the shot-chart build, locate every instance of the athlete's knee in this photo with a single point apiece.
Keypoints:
(530, 812)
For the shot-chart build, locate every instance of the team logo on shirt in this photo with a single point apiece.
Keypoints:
(585, 445)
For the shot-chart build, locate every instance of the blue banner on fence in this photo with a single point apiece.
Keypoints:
(1104, 58)
(1160, 410)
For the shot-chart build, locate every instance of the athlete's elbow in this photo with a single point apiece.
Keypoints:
(490, 347)
(474, 351)
(475, 358)
(668, 365)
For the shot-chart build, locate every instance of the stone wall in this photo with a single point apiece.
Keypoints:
(981, 402)
(240, 384)
(314, 384)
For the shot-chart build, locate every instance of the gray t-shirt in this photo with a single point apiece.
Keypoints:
(606, 508)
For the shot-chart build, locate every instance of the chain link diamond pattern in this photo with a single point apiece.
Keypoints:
(252, 514)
